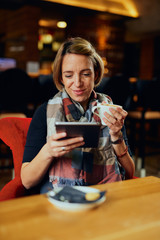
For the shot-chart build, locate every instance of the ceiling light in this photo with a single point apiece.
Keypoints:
(120, 7)
(62, 24)
(46, 38)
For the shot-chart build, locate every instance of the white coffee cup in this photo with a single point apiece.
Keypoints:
(102, 109)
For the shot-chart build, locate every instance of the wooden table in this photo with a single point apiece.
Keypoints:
(131, 211)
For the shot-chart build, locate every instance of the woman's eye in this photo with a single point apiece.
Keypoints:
(68, 76)
(86, 74)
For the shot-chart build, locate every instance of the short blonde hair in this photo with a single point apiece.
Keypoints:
(80, 46)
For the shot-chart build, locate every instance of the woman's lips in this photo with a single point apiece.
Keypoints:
(78, 92)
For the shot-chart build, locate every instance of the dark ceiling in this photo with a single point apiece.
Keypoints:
(14, 4)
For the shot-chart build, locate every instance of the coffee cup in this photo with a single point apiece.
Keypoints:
(102, 108)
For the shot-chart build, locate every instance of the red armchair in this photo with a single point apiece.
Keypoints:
(13, 132)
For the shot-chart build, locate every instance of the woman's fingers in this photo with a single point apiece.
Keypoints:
(58, 136)
(59, 141)
(115, 122)
(68, 147)
(118, 113)
(59, 146)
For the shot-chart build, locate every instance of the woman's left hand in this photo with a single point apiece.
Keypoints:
(115, 122)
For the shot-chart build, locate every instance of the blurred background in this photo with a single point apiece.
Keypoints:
(125, 33)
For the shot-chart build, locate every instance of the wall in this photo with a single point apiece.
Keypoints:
(144, 31)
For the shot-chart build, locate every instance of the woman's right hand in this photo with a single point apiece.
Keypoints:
(57, 146)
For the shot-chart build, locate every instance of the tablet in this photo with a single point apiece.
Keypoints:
(89, 131)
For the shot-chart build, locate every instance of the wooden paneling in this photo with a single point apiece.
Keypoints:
(21, 34)
(147, 59)
(106, 35)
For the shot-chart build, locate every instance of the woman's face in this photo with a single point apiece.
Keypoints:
(78, 77)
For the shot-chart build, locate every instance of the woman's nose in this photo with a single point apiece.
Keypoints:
(77, 81)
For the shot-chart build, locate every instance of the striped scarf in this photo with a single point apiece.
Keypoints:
(81, 166)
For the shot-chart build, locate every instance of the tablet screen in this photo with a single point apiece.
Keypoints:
(89, 131)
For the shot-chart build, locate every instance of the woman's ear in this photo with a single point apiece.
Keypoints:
(96, 76)
(61, 80)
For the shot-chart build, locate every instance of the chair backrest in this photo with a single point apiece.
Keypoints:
(13, 132)
(12, 114)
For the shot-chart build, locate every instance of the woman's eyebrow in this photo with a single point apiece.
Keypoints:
(67, 71)
(87, 69)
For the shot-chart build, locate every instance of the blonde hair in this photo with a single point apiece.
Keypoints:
(80, 46)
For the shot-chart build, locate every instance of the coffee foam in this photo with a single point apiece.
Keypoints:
(110, 105)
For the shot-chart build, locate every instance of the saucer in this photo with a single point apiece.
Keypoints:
(76, 206)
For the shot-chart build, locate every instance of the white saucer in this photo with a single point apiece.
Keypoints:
(75, 206)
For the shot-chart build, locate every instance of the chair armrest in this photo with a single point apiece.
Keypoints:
(12, 189)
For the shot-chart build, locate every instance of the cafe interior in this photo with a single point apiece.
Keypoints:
(126, 34)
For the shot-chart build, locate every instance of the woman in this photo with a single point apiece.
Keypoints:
(51, 161)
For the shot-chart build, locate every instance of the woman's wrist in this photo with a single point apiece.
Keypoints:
(46, 152)
(116, 138)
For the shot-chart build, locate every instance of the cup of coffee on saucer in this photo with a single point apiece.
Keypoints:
(102, 108)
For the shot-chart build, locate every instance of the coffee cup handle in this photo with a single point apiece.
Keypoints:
(93, 109)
